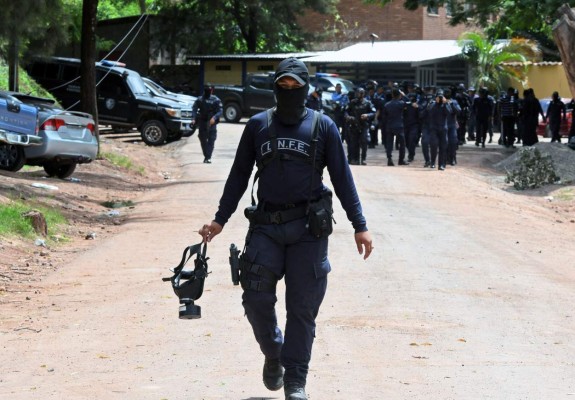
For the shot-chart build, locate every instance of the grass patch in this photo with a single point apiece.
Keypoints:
(26, 84)
(565, 195)
(12, 223)
(122, 161)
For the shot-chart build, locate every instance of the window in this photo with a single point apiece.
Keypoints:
(265, 67)
(223, 67)
(113, 85)
(432, 9)
(70, 73)
(261, 82)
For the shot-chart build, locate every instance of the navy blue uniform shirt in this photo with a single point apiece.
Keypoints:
(206, 109)
(288, 181)
(393, 112)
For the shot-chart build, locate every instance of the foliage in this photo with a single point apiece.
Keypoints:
(231, 26)
(488, 56)
(27, 84)
(12, 223)
(534, 170)
(501, 18)
(122, 161)
(36, 25)
(341, 32)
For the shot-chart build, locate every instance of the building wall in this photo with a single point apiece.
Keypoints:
(391, 22)
(436, 26)
(229, 72)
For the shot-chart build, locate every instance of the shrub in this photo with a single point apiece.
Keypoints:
(534, 170)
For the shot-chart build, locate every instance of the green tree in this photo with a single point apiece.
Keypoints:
(221, 26)
(29, 24)
(488, 57)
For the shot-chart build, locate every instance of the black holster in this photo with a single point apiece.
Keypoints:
(320, 216)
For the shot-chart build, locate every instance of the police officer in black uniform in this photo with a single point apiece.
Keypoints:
(464, 102)
(206, 112)
(284, 238)
(359, 114)
(314, 100)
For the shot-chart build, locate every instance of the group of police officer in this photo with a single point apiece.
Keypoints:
(436, 119)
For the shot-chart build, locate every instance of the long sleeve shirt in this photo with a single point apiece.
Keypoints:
(289, 181)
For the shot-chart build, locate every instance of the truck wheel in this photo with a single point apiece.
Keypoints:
(11, 157)
(232, 112)
(154, 132)
(60, 170)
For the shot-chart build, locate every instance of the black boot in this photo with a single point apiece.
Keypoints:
(390, 162)
(295, 391)
(273, 374)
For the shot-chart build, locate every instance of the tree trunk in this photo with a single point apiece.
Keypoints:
(564, 34)
(88, 102)
(13, 63)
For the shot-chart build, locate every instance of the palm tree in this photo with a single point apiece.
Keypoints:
(496, 62)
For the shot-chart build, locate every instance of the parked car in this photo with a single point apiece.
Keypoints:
(257, 94)
(327, 82)
(543, 127)
(122, 96)
(61, 139)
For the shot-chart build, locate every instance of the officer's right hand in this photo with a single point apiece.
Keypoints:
(209, 231)
(193, 122)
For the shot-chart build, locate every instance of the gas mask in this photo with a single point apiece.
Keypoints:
(189, 284)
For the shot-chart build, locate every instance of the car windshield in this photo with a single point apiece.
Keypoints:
(136, 83)
(150, 83)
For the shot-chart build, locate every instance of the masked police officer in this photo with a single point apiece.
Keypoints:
(291, 145)
(359, 114)
(339, 101)
(207, 111)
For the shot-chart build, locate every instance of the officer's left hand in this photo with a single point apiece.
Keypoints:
(212, 121)
(363, 241)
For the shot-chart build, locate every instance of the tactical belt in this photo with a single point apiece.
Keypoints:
(268, 280)
(279, 216)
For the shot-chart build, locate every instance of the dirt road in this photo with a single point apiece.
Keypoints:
(468, 295)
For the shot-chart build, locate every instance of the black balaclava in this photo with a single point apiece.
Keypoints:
(290, 107)
(208, 89)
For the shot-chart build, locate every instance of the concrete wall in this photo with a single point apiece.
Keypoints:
(544, 79)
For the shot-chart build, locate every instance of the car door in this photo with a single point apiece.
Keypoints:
(113, 98)
(259, 94)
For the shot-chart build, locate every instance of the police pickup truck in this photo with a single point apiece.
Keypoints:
(123, 99)
(240, 101)
(18, 125)
(257, 94)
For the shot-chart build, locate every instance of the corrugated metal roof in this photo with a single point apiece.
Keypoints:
(254, 56)
(402, 51)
